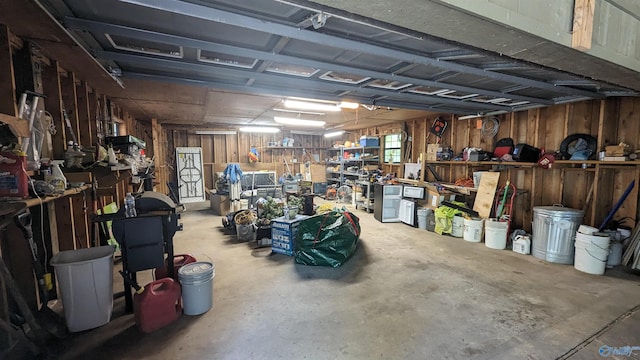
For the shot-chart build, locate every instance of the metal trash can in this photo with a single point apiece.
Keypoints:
(553, 232)
(197, 287)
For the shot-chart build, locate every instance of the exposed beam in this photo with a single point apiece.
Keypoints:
(103, 28)
(148, 62)
(583, 14)
(280, 92)
(247, 22)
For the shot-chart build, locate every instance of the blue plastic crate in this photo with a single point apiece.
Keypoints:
(369, 141)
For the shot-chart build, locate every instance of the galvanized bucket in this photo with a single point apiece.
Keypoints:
(553, 233)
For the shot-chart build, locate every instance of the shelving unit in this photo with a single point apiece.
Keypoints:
(341, 176)
(367, 202)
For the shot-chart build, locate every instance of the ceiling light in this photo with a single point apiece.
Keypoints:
(333, 134)
(259, 129)
(348, 105)
(298, 122)
(308, 105)
(299, 112)
(216, 132)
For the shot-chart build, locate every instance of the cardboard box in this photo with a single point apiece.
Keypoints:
(616, 150)
(219, 204)
(283, 234)
(435, 196)
(432, 152)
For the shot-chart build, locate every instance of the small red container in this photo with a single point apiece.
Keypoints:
(13, 176)
(178, 262)
(158, 306)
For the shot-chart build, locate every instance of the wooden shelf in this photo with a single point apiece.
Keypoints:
(355, 148)
(45, 199)
(19, 127)
(526, 164)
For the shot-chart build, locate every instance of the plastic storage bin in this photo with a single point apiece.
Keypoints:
(369, 141)
(85, 280)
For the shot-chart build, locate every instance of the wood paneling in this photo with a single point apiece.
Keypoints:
(8, 103)
(53, 104)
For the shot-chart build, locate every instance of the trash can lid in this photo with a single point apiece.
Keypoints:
(196, 268)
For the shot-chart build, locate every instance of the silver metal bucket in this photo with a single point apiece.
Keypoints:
(553, 232)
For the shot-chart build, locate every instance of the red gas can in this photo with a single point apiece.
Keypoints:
(158, 305)
(178, 262)
(13, 176)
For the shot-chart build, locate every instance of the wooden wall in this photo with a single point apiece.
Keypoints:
(610, 121)
(219, 150)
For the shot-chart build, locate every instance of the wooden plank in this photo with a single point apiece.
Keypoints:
(70, 103)
(8, 101)
(219, 149)
(94, 116)
(608, 114)
(628, 124)
(84, 115)
(231, 142)
(551, 124)
(65, 224)
(582, 117)
(583, 14)
(193, 140)
(19, 127)
(53, 104)
(486, 193)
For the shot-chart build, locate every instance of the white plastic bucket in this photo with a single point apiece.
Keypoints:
(422, 218)
(495, 234)
(244, 204)
(457, 226)
(197, 287)
(591, 253)
(472, 230)
(85, 279)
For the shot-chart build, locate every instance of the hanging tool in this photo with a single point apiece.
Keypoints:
(617, 205)
(500, 208)
(73, 134)
(29, 111)
(49, 319)
(287, 165)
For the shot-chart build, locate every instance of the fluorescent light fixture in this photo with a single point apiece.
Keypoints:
(348, 105)
(298, 122)
(333, 134)
(216, 132)
(308, 105)
(259, 129)
(299, 112)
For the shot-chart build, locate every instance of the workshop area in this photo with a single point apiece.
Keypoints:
(319, 179)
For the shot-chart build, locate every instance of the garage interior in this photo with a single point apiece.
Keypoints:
(419, 95)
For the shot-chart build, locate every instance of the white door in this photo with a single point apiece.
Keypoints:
(189, 174)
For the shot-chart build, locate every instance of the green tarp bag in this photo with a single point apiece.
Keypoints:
(328, 239)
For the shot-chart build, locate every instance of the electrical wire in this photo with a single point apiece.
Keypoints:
(490, 127)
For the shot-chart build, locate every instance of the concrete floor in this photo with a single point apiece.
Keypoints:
(406, 294)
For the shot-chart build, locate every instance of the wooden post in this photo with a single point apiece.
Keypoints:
(85, 122)
(583, 14)
(64, 223)
(69, 99)
(8, 103)
(53, 104)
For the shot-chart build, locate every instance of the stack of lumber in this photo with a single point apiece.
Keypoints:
(633, 250)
